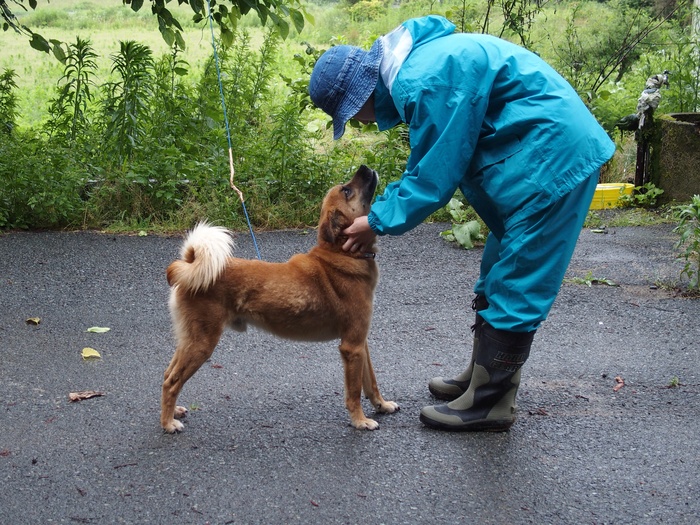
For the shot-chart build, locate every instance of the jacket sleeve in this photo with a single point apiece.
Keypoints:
(444, 127)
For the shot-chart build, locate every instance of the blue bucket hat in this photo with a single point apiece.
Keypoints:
(342, 81)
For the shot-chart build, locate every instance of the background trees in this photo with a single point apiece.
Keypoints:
(121, 135)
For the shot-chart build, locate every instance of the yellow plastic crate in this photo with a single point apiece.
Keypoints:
(608, 195)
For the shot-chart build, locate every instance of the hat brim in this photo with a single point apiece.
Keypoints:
(359, 89)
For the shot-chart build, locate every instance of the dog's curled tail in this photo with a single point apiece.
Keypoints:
(204, 254)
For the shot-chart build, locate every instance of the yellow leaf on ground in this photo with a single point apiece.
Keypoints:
(89, 353)
(33, 320)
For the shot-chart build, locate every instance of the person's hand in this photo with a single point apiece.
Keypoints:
(360, 236)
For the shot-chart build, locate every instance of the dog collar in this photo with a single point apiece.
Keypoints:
(369, 255)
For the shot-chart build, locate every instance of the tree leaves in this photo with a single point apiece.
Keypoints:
(277, 11)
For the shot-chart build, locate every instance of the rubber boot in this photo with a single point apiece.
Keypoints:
(449, 389)
(489, 402)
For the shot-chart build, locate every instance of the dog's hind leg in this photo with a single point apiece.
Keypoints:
(370, 388)
(353, 364)
(193, 349)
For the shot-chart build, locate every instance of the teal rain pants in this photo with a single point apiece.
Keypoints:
(521, 273)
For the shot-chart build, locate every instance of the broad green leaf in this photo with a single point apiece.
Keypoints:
(180, 41)
(467, 233)
(39, 43)
(168, 35)
(59, 53)
(297, 20)
(197, 6)
(226, 37)
(281, 25)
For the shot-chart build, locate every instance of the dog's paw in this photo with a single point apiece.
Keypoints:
(365, 424)
(180, 412)
(387, 407)
(173, 427)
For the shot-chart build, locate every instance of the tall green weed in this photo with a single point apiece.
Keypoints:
(69, 109)
(8, 101)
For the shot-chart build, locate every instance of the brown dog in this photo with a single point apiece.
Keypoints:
(324, 294)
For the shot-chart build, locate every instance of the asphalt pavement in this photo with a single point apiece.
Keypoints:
(608, 421)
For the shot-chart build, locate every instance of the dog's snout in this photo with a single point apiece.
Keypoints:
(368, 177)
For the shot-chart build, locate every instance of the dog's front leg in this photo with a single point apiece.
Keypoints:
(353, 364)
(370, 388)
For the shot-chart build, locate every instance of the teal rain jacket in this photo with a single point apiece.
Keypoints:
(471, 101)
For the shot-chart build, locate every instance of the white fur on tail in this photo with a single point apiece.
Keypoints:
(205, 251)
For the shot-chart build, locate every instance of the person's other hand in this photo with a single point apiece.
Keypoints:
(360, 236)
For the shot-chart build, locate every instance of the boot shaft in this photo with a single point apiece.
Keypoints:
(501, 352)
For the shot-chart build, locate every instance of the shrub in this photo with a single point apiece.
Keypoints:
(42, 185)
(688, 229)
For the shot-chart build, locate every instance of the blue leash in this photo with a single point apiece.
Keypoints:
(228, 130)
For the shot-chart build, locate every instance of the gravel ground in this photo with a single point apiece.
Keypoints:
(268, 439)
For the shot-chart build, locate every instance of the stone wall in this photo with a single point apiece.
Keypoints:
(677, 158)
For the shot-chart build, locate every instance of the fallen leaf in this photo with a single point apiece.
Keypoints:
(97, 329)
(85, 394)
(33, 320)
(620, 383)
(89, 353)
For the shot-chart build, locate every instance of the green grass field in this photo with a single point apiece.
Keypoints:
(105, 23)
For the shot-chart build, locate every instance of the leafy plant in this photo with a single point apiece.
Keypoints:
(464, 232)
(8, 101)
(589, 280)
(645, 196)
(41, 184)
(688, 229)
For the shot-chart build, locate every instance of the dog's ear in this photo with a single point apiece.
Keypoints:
(332, 226)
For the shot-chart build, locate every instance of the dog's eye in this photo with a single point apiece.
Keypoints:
(346, 191)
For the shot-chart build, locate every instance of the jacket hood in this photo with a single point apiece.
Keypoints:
(427, 28)
(397, 45)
